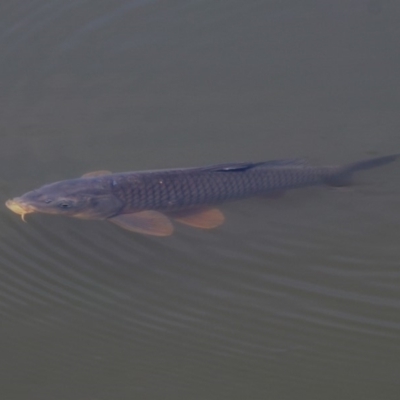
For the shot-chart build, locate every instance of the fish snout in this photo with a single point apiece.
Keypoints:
(20, 207)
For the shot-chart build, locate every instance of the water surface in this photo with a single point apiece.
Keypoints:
(296, 297)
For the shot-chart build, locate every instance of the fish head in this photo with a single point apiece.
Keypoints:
(79, 198)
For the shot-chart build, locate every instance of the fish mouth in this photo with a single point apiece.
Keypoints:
(20, 207)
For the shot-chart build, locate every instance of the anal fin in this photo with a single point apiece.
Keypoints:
(204, 218)
(146, 222)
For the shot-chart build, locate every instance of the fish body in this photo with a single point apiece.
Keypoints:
(144, 201)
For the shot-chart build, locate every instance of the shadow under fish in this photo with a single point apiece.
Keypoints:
(146, 201)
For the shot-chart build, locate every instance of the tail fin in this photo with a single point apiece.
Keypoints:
(343, 175)
(371, 163)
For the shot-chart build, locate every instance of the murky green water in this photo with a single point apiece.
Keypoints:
(292, 298)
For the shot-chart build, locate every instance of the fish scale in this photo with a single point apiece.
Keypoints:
(192, 187)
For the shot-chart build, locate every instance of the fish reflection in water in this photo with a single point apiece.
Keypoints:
(146, 201)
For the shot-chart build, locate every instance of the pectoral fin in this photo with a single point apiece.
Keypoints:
(96, 173)
(200, 218)
(147, 222)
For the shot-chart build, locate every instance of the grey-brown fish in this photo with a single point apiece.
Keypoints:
(146, 201)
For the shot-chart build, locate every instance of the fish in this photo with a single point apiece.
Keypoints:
(147, 201)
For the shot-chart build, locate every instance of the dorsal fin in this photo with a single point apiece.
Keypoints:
(232, 167)
(96, 173)
(245, 166)
(294, 162)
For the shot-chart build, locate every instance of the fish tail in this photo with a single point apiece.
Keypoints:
(342, 176)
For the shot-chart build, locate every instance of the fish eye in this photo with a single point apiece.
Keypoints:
(94, 202)
(64, 204)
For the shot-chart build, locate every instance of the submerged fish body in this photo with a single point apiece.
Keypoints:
(145, 201)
